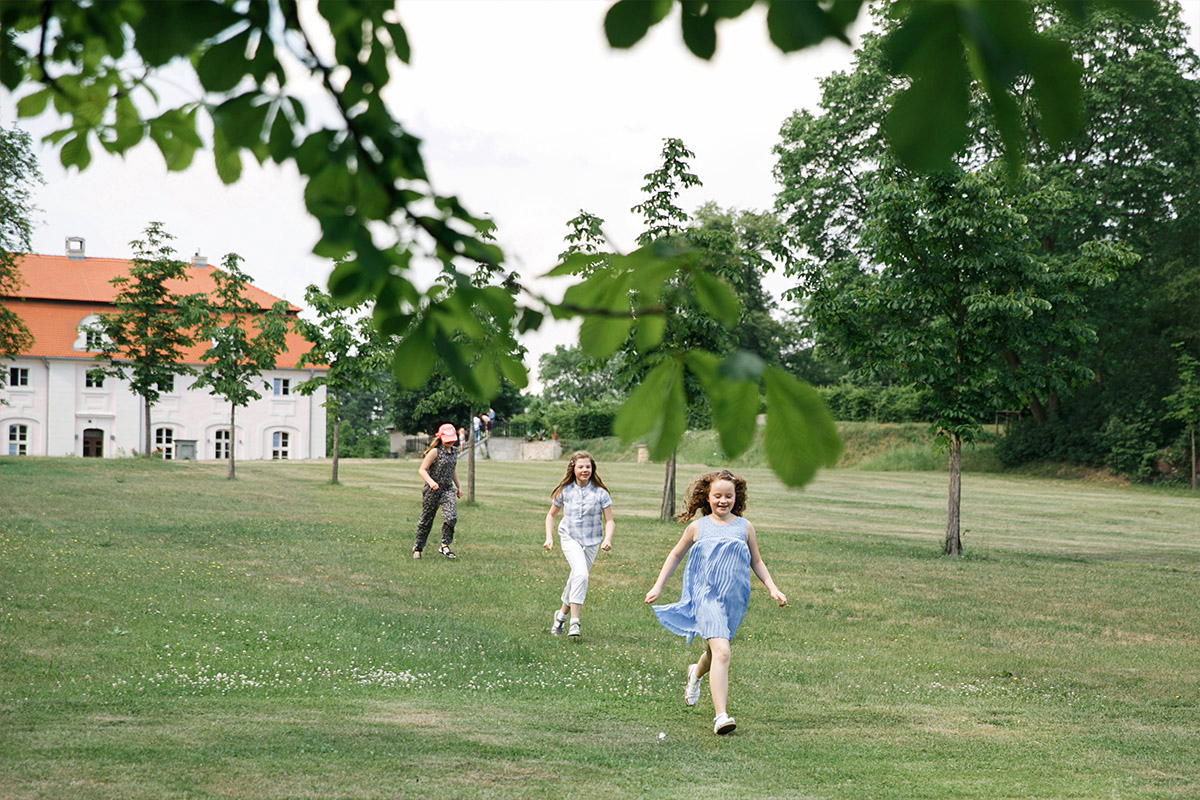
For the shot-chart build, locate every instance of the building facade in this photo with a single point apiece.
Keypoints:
(51, 405)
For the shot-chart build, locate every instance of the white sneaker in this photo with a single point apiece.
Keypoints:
(560, 619)
(574, 629)
(691, 692)
(723, 724)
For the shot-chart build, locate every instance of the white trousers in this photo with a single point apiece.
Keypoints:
(580, 558)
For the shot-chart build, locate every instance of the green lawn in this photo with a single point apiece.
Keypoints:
(166, 633)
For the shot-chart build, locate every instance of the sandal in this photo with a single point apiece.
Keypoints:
(446, 551)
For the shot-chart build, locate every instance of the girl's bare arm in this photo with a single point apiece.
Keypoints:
(759, 567)
(673, 559)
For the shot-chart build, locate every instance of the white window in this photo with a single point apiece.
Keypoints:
(18, 440)
(221, 444)
(164, 443)
(279, 445)
(18, 376)
(282, 386)
(94, 381)
(90, 336)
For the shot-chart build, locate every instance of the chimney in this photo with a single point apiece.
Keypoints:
(75, 249)
(199, 260)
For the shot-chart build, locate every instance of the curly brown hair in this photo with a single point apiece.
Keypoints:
(570, 476)
(697, 494)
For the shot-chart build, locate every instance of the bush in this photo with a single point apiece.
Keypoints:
(587, 421)
(852, 403)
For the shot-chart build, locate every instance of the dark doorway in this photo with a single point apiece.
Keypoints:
(93, 443)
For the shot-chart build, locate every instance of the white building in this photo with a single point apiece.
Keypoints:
(51, 406)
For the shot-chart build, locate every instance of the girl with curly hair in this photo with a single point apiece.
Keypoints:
(716, 583)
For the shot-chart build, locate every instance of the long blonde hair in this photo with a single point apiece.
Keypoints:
(697, 495)
(570, 476)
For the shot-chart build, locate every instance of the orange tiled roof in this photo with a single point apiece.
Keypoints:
(88, 280)
(60, 292)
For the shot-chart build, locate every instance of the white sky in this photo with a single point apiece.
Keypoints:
(526, 114)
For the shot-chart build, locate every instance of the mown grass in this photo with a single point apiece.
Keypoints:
(165, 633)
(872, 446)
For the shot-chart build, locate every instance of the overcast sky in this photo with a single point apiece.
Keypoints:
(526, 114)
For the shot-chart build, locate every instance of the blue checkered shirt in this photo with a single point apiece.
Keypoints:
(583, 512)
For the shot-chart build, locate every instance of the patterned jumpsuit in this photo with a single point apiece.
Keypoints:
(442, 473)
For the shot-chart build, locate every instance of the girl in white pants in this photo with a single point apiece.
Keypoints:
(586, 528)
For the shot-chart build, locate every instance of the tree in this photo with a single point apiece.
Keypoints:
(1184, 404)
(939, 279)
(364, 173)
(18, 173)
(143, 342)
(237, 357)
(664, 221)
(569, 375)
(351, 349)
(960, 286)
(1132, 172)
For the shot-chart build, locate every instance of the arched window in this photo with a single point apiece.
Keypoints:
(18, 440)
(91, 337)
(221, 441)
(164, 443)
(280, 445)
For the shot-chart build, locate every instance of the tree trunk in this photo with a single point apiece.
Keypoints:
(953, 541)
(146, 405)
(667, 512)
(1193, 459)
(232, 438)
(337, 431)
(471, 457)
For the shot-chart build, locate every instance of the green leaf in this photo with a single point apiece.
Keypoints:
(75, 152)
(1058, 90)
(227, 159)
(658, 407)
(628, 20)
(800, 434)
(716, 297)
(414, 359)
(513, 370)
(638, 414)
(796, 24)
(734, 402)
(32, 105)
(223, 65)
(348, 283)
(129, 128)
(531, 320)
(728, 9)
(281, 141)
(489, 379)
(699, 34)
(167, 30)
(650, 331)
(601, 336)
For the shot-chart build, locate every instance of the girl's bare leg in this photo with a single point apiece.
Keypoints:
(717, 667)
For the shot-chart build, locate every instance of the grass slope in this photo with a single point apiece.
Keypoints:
(165, 633)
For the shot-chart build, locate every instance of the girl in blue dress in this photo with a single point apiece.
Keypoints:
(716, 583)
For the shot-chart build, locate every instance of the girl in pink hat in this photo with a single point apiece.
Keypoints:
(439, 469)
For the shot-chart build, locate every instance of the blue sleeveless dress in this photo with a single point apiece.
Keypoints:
(716, 584)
